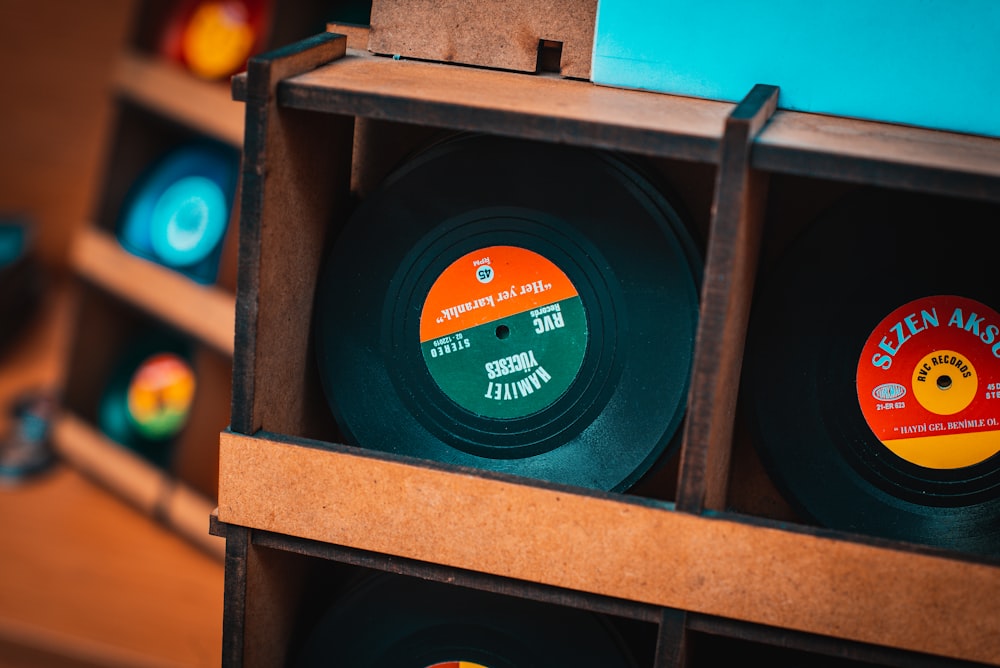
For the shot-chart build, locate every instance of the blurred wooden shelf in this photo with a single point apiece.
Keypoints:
(206, 106)
(86, 579)
(206, 312)
(150, 490)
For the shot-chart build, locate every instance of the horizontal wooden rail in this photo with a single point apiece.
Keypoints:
(613, 546)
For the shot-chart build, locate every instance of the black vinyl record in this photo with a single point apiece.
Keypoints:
(872, 370)
(148, 396)
(512, 306)
(390, 621)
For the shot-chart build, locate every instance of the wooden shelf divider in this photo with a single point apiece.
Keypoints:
(206, 106)
(206, 312)
(148, 489)
(623, 548)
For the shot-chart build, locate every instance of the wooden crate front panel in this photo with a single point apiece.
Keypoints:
(607, 545)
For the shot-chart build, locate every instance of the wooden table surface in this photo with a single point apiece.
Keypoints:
(86, 580)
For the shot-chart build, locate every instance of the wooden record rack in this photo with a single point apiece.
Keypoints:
(710, 558)
(158, 104)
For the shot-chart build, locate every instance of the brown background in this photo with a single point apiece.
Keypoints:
(56, 63)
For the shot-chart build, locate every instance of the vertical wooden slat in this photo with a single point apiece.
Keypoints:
(263, 588)
(730, 267)
(267, 180)
(671, 641)
(235, 593)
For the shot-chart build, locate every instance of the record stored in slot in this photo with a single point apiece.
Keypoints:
(513, 306)
(872, 370)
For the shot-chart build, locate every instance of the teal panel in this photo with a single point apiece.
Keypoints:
(931, 63)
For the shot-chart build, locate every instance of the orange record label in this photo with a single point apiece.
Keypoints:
(490, 284)
(928, 382)
(503, 332)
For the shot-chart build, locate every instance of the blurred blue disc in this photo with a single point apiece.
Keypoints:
(13, 241)
(189, 220)
(178, 210)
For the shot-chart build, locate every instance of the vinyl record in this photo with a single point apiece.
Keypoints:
(872, 370)
(213, 39)
(390, 621)
(512, 306)
(177, 212)
(148, 397)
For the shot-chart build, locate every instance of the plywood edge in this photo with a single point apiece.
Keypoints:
(614, 546)
(512, 104)
(884, 153)
(173, 92)
(357, 35)
(737, 223)
(205, 311)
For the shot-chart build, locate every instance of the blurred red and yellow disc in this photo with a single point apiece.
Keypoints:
(219, 38)
(160, 394)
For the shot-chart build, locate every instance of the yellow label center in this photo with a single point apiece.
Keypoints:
(945, 382)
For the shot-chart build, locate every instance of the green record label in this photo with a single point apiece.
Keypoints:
(503, 332)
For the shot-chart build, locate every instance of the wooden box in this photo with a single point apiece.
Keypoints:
(711, 553)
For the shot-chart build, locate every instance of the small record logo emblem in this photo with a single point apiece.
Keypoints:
(889, 392)
(484, 274)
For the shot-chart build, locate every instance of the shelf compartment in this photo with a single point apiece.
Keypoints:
(204, 105)
(328, 565)
(177, 479)
(205, 312)
(715, 564)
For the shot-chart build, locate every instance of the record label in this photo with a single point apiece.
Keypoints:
(189, 220)
(177, 210)
(504, 322)
(159, 395)
(218, 39)
(457, 664)
(503, 332)
(928, 382)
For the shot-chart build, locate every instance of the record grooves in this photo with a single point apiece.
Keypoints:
(872, 366)
(387, 621)
(514, 306)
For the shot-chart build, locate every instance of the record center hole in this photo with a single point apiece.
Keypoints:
(503, 331)
(944, 382)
